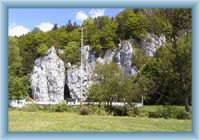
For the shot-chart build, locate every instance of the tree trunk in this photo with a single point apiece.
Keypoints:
(187, 108)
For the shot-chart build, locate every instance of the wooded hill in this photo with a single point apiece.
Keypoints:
(163, 79)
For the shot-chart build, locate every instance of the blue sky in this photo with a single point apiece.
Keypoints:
(23, 20)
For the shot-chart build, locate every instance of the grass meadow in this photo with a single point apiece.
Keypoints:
(40, 121)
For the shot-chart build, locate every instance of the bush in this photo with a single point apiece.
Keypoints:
(172, 112)
(184, 115)
(128, 110)
(133, 111)
(84, 110)
(61, 107)
(97, 110)
(118, 110)
(154, 115)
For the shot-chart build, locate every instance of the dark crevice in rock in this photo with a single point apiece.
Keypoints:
(66, 92)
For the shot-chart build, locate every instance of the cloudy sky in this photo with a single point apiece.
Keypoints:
(22, 20)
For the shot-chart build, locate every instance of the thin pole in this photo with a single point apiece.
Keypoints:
(81, 63)
(142, 100)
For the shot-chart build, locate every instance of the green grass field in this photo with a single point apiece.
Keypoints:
(21, 121)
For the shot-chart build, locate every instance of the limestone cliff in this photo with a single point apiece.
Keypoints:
(48, 78)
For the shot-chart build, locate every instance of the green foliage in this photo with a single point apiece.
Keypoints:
(111, 84)
(184, 115)
(18, 87)
(142, 86)
(42, 49)
(118, 110)
(72, 52)
(155, 22)
(126, 110)
(163, 71)
(97, 110)
(134, 111)
(100, 33)
(61, 107)
(14, 58)
(170, 112)
(139, 58)
(130, 25)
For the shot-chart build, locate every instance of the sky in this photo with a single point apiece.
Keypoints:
(23, 20)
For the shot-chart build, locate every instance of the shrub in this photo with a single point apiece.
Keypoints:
(128, 110)
(61, 107)
(133, 111)
(84, 110)
(184, 115)
(118, 110)
(143, 114)
(170, 112)
(97, 110)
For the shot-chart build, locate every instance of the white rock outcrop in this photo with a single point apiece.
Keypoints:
(151, 43)
(48, 78)
(122, 55)
(79, 78)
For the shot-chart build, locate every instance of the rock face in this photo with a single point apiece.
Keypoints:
(48, 78)
(151, 43)
(78, 78)
(122, 55)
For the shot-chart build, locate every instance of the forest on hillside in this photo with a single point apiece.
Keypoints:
(162, 79)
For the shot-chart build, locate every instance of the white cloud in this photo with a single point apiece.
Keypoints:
(96, 12)
(81, 16)
(45, 26)
(17, 30)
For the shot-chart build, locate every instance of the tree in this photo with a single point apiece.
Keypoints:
(111, 84)
(130, 25)
(162, 70)
(100, 34)
(180, 38)
(42, 49)
(69, 26)
(139, 58)
(72, 52)
(55, 27)
(17, 85)
(14, 58)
